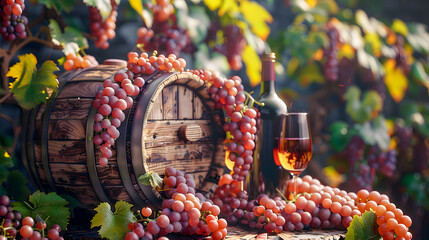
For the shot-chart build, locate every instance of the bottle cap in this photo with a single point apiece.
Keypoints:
(269, 57)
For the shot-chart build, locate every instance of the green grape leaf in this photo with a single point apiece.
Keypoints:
(113, 225)
(365, 110)
(5, 158)
(32, 86)
(50, 207)
(16, 186)
(104, 6)
(194, 19)
(340, 135)
(375, 132)
(418, 37)
(364, 227)
(61, 5)
(72, 40)
(151, 178)
(419, 73)
(6, 162)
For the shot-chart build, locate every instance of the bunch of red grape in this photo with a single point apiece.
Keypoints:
(73, 62)
(27, 230)
(162, 10)
(229, 95)
(13, 223)
(117, 94)
(12, 22)
(316, 206)
(233, 43)
(330, 66)
(165, 36)
(102, 30)
(182, 212)
(365, 161)
(144, 64)
(392, 223)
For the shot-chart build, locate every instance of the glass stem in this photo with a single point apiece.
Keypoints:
(294, 180)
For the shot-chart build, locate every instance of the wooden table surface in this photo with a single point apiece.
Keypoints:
(236, 233)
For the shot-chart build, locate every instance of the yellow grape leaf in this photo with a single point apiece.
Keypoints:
(374, 40)
(347, 51)
(253, 65)
(257, 17)
(138, 6)
(400, 27)
(334, 177)
(228, 6)
(311, 3)
(310, 73)
(292, 65)
(395, 80)
(409, 54)
(31, 85)
(213, 4)
(318, 54)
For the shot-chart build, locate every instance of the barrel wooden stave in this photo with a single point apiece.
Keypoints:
(62, 154)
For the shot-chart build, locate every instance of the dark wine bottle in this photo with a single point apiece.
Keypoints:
(266, 176)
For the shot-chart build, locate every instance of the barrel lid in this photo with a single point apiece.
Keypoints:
(115, 62)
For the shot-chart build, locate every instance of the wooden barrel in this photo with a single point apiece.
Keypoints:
(171, 123)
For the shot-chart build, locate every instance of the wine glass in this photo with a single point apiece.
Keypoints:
(294, 148)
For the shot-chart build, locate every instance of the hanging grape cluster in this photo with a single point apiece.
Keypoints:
(165, 36)
(330, 66)
(12, 22)
(101, 30)
(228, 94)
(232, 43)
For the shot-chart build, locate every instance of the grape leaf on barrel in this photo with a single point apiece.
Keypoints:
(50, 207)
(151, 178)
(32, 86)
(113, 225)
(364, 227)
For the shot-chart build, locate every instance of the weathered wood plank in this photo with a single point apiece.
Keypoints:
(118, 193)
(67, 129)
(169, 100)
(198, 108)
(77, 174)
(64, 151)
(193, 158)
(85, 194)
(81, 89)
(185, 105)
(71, 108)
(160, 133)
(156, 113)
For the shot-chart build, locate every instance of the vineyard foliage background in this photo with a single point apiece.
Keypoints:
(359, 70)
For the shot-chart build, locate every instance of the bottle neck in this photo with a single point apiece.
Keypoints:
(268, 78)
